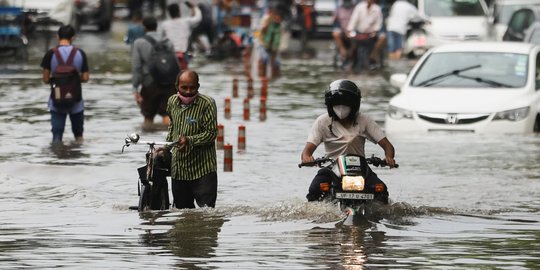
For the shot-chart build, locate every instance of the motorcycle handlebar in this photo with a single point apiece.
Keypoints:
(373, 160)
(378, 162)
(317, 162)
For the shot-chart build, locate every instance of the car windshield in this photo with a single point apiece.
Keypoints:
(447, 8)
(504, 12)
(472, 70)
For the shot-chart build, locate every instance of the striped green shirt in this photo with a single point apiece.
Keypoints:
(198, 122)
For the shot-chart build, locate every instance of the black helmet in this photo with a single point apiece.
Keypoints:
(342, 92)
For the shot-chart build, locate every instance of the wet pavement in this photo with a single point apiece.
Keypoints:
(460, 201)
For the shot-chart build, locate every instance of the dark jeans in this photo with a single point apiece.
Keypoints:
(363, 49)
(325, 175)
(58, 123)
(155, 99)
(202, 190)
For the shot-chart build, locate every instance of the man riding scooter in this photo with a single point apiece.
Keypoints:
(365, 29)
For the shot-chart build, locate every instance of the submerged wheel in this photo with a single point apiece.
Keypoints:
(160, 195)
(144, 198)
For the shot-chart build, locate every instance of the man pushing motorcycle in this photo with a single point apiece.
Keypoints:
(344, 130)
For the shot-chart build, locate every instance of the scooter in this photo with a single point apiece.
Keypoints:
(153, 187)
(416, 39)
(350, 188)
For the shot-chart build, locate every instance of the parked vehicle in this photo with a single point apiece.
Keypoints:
(500, 12)
(520, 22)
(481, 87)
(324, 17)
(349, 188)
(47, 15)
(153, 188)
(454, 20)
(532, 35)
(12, 37)
(416, 39)
(95, 12)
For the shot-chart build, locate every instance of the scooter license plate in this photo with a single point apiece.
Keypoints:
(420, 41)
(354, 196)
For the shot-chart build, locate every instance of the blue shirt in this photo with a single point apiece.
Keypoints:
(49, 62)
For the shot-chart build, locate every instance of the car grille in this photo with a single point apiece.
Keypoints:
(452, 118)
(461, 37)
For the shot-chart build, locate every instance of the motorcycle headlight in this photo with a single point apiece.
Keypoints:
(353, 183)
(399, 113)
(512, 115)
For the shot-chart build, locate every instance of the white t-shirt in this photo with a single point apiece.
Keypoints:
(341, 140)
(364, 20)
(401, 13)
(178, 30)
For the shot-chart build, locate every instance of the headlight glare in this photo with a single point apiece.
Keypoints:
(353, 183)
(512, 115)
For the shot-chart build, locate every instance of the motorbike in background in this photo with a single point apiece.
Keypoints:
(153, 188)
(416, 39)
(350, 188)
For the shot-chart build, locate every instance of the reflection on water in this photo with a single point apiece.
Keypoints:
(70, 151)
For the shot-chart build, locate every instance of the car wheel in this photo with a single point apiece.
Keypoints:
(537, 123)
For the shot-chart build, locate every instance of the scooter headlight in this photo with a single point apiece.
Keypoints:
(353, 183)
(512, 115)
(399, 113)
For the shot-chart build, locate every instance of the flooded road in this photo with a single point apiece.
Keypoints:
(460, 201)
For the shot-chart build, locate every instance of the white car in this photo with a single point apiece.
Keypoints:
(481, 87)
(500, 12)
(454, 20)
(324, 18)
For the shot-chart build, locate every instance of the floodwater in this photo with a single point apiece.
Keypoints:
(460, 201)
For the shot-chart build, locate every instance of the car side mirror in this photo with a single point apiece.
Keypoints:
(398, 80)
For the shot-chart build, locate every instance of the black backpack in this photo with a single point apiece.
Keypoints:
(164, 66)
(65, 81)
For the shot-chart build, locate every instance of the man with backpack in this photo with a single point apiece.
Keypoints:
(154, 70)
(65, 67)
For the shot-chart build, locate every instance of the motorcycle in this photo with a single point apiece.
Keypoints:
(416, 39)
(350, 188)
(153, 188)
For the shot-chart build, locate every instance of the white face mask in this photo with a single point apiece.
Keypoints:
(342, 111)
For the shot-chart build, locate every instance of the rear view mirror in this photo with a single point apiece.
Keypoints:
(398, 80)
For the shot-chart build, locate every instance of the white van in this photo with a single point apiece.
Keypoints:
(454, 20)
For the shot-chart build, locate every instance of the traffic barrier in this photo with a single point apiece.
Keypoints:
(241, 138)
(228, 158)
(235, 88)
(264, 87)
(250, 91)
(227, 109)
(246, 108)
(220, 137)
(262, 109)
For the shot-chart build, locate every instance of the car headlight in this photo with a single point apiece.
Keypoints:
(399, 113)
(352, 183)
(512, 115)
